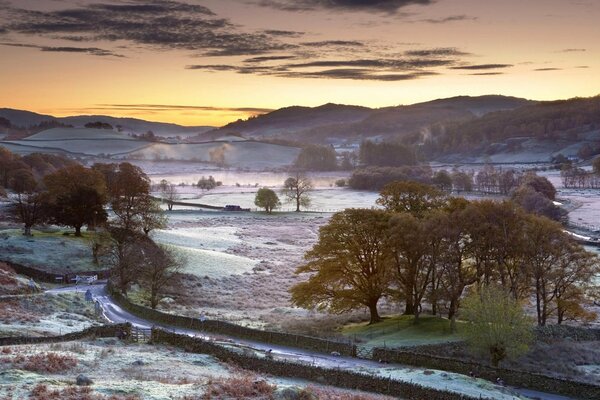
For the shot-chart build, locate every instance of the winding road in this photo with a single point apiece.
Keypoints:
(113, 313)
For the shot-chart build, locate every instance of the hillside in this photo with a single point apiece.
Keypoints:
(536, 131)
(25, 119)
(334, 123)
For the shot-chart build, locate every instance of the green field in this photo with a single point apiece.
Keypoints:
(49, 251)
(402, 331)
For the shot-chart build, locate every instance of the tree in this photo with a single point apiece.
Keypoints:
(169, 193)
(408, 240)
(442, 180)
(151, 215)
(317, 158)
(267, 199)
(159, 269)
(296, 189)
(411, 197)
(540, 184)
(496, 324)
(125, 257)
(130, 196)
(386, 154)
(27, 205)
(76, 197)
(348, 265)
(596, 165)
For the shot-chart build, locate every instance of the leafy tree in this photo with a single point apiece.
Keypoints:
(267, 199)
(130, 195)
(208, 183)
(296, 189)
(411, 197)
(375, 178)
(536, 203)
(386, 154)
(496, 324)
(316, 158)
(76, 197)
(125, 256)
(348, 265)
(462, 181)
(539, 184)
(442, 180)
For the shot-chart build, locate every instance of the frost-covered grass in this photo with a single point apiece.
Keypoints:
(402, 331)
(77, 133)
(46, 314)
(147, 372)
(50, 250)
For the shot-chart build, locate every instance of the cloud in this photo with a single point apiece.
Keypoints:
(405, 64)
(276, 32)
(486, 73)
(66, 49)
(573, 51)
(171, 107)
(436, 52)
(334, 43)
(164, 24)
(482, 66)
(268, 58)
(356, 74)
(547, 69)
(451, 18)
(378, 6)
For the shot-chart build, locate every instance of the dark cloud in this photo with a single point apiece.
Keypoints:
(405, 64)
(276, 32)
(436, 52)
(547, 69)
(482, 66)
(356, 74)
(65, 49)
(573, 50)
(582, 67)
(268, 58)
(171, 107)
(386, 6)
(154, 23)
(452, 18)
(334, 43)
(486, 73)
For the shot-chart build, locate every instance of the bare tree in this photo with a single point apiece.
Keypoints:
(161, 266)
(296, 189)
(169, 194)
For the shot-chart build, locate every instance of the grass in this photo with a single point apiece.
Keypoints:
(402, 331)
(48, 250)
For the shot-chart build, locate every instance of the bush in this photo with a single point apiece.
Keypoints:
(375, 178)
(45, 362)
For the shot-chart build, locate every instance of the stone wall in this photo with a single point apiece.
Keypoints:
(92, 332)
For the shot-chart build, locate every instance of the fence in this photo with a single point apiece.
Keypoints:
(49, 277)
(512, 377)
(93, 332)
(346, 348)
(335, 377)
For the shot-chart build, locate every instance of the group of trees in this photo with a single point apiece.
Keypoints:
(575, 177)
(544, 120)
(296, 190)
(386, 154)
(316, 158)
(76, 196)
(426, 247)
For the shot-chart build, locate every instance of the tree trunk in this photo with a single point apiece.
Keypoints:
(375, 318)
(170, 206)
(27, 231)
(78, 231)
(297, 203)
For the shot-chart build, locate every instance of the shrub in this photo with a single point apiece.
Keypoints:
(45, 362)
(239, 387)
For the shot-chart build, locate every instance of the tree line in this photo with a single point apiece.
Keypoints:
(76, 196)
(425, 247)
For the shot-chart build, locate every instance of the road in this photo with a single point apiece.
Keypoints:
(113, 313)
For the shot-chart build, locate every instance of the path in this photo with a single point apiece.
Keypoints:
(115, 314)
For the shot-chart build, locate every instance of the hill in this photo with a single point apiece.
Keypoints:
(531, 133)
(25, 119)
(335, 123)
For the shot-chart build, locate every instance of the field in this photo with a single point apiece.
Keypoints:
(401, 331)
(239, 154)
(47, 250)
(65, 134)
(46, 314)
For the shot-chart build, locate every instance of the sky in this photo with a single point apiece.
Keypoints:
(210, 62)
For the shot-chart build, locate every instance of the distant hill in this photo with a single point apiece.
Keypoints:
(20, 118)
(334, 122)
(535, 131)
